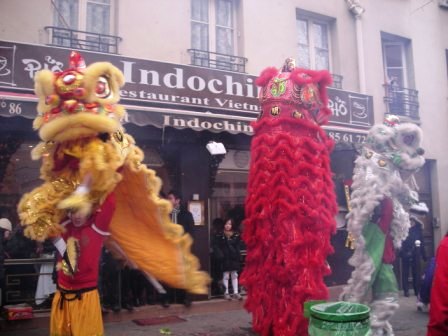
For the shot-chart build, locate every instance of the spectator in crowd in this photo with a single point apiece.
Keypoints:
(424, 294)
(46, 286)
(110, 283)
(180, 215)
(227, 250)
(413, 249)
(216, 264)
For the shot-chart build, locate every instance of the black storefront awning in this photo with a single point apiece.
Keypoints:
(24, 105)
(170, 95)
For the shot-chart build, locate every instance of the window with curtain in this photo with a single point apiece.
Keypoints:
(213, 33)
(395, 63)
(224, 27)
(200, 30)
(66, 14)
(313, 44)
(89, 18)
(98, 16)
(400, 94)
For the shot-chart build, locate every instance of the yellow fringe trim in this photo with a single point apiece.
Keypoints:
(42, 210)
(195, 281)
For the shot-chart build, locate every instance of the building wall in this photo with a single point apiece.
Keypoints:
(266, 35)
(24, 21)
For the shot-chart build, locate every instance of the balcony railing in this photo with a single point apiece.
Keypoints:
(83, 40)
(337, 81)
(401, 101)
(214, 60)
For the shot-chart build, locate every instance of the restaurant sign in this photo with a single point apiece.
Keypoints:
(171, 86)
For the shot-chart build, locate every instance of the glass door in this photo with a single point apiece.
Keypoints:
(227, 201)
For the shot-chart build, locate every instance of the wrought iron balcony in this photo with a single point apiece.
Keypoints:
(337, 81)
(401, 101)
(214, 60)
(83, 40)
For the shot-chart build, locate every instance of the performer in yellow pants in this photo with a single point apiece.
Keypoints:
(76, 309)
(76, 314)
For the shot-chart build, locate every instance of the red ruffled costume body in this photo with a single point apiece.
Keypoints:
(291, 204)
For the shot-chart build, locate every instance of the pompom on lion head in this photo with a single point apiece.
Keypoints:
(78, 102)
(395, 145)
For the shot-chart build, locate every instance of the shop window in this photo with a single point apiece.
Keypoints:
(401, 98)
(213, 35)
(83, 24)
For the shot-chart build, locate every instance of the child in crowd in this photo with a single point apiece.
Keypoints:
(227, 250)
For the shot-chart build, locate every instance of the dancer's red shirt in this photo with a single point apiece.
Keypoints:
(90, 237)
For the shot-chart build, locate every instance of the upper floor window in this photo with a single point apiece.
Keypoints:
(84, 24)
(394, 57)
(314, 43)
(213, 35)
(314, 46)
(400, 95)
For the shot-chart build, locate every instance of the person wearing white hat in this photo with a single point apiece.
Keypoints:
(5, 231)
(413, 248)
(5, 224)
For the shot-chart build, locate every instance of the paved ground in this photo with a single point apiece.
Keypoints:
(226, 319)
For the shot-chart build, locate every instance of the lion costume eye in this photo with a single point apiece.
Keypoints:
(69, 78)
(102, 89)
(409, 139)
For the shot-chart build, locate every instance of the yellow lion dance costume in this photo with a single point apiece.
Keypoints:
(84, 143)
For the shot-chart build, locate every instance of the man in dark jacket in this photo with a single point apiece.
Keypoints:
(180, 215)
(413, 249)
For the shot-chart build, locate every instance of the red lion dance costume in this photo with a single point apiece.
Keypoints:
(291, 204)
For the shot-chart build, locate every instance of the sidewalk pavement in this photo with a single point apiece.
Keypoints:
(213, 318)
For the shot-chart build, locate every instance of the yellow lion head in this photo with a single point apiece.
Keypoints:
(78, 102)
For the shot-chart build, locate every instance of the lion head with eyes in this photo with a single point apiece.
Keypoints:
(78, 102)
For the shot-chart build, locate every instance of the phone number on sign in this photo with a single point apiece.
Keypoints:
(347, 137)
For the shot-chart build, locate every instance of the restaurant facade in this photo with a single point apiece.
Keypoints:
(173, 111)
(180, 94)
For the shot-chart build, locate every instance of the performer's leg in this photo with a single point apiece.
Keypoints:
(59, 319)
(86, 318)
(385, 300)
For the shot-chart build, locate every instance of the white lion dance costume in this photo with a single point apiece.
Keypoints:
(378, 219)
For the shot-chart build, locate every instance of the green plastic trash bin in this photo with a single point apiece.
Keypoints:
(339, 319)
